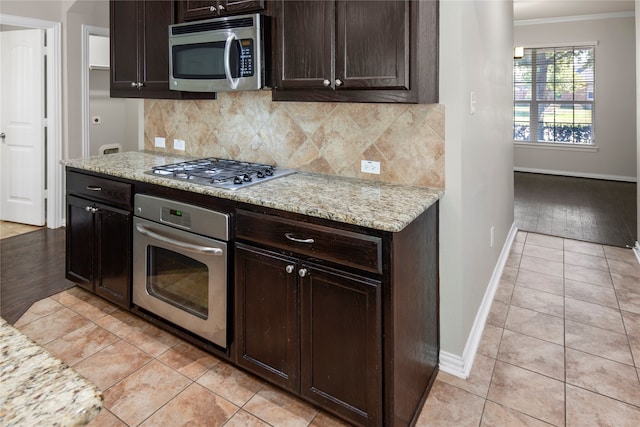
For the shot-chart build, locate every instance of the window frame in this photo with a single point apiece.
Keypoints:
(534, 103)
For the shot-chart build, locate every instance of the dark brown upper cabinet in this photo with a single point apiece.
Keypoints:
(356, 51)
(192, 10)
(139, 36)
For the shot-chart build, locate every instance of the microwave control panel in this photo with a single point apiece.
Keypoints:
(246, 58)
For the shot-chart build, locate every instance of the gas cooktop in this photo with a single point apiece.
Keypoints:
(221, 173)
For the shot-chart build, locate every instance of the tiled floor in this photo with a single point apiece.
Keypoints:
(10, 229)
(561, 347)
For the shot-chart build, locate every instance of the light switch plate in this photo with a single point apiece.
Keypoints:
(179, 144)
(159, 142)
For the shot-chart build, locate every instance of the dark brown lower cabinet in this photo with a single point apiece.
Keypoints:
(311, 329)
(98, 249)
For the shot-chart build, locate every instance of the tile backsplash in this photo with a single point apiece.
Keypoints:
(329, 138)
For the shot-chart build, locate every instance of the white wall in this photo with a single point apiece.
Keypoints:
(615, 109)
(476, 54)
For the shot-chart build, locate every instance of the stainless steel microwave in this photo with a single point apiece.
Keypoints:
(221, 54)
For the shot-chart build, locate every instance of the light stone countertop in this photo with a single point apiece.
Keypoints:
(372, 204)
(36, 389)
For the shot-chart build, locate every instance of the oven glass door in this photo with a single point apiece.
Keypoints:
(181, 277)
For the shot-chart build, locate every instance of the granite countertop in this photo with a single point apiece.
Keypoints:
(36, 389)
(371, 204)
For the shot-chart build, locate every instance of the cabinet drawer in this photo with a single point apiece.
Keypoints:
(104, 190)
(330, 244)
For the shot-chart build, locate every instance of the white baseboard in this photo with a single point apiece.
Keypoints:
(460, 366)
(578, 174)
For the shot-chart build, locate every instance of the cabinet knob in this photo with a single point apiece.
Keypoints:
(326, 82)
(134, 84)
(88, 208)
(302, 272)
(220, 8)
(212, 9)
(289, 268)
(338, 82)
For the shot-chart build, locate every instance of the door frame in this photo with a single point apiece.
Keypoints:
(54, 192)
(87, 30)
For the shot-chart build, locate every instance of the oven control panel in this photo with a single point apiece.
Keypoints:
(176, 217)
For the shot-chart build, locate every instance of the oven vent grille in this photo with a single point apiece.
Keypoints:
(212, 25)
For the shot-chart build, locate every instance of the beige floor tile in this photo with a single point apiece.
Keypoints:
(544, 240)
(81, 343)
(517, 247)
(244, 419)
(533, 354)
(598, 341)
(591, 293)
(588, 275)
(498, 314)
(188, 360)
(587, 248)
(509, 274)
(11, 229)
(632, 326)
(533, 394)
(106, 419)
(625, 282)
(594, 315)
(112, 364)
(490, 341)
(504, 291)
(521, 236)
(142, 393)
(232, 384)
(513, 260)
(54, 325)
(71, 296)
(37, 310)
(585, 408)
(479, 378)
(627, 268)
(495, 415)
(539, 265)
(195, 406)
(325, 420)
(93, 308)
(583, 260)
(536, 324)
(543, 252)
(449, 406)
(623, 254)
(629, 301)
(603, 376)
(541, 282)
(279, 408)
(544, 302)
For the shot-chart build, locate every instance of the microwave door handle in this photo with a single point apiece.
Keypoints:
(182, 245)
(227, 61)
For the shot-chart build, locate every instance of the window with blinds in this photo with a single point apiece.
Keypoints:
(553, 95)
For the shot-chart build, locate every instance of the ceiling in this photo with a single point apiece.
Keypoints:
(540, 9)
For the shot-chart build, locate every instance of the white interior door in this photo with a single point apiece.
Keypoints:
(22, 126)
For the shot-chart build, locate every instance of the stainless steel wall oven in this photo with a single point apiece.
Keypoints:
(180, 265)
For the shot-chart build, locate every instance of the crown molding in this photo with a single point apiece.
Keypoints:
(561, 19)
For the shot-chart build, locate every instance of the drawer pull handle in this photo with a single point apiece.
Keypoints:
(94, 188)
(295, 239)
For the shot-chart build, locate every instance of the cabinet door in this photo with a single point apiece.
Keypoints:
(372, 44)
(80, 242)
(341, 351)
(156, 16)
(305, 44)
(237, 7)
(113, 250)
(124, 23)
(267, 315)
(189, 10)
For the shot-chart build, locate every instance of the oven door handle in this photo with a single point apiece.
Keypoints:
(182, 245)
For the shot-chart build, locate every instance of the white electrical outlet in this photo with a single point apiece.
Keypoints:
(370, 166)
(179, 144)
(96, 120)
(159, 142)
